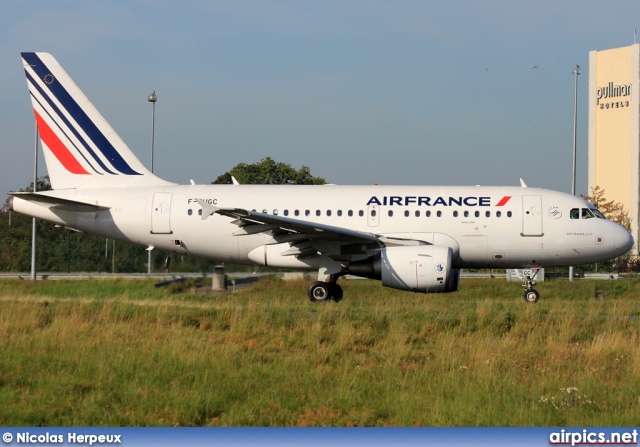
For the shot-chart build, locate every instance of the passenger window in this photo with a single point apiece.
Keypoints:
(264, 211)
(339, 213)
(428, 213)
(498, 213)
(350, 213)
(439, 214)
(275, 212)
(390, 213)
(487, 214)
(189, 212)
(286, 212)
(466, 214)
(455, 214)
(328, 212)
(360, 213)
(296, 213)
(307, 213)
(199, 212)
(318, 213)
(406, 213)
(477, 213)
(374, 213)
(417, 213)
(574, 213)
(509, 214)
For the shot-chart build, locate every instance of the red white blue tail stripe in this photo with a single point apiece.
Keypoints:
(76, 138)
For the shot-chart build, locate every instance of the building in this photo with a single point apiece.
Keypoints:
(614, 128)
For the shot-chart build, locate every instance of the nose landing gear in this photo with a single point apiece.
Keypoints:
(531, 295)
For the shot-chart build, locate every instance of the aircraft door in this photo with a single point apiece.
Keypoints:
(532, 216)
(373, 215)
(161, 213)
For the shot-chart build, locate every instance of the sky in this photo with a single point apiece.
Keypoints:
(415, 92)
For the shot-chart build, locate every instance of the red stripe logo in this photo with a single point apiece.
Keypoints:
(51, 140)
(503, 201)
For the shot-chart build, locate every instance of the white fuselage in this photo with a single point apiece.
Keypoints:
(487, 227)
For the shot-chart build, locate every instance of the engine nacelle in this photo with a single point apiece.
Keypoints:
(418, 268)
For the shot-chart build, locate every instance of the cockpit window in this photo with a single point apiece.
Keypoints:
(587, 213)
(575, 213)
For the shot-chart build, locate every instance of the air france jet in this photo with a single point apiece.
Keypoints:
(414, 238)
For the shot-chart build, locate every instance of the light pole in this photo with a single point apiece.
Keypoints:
(33, 229)
(576, 72)
(152, 99)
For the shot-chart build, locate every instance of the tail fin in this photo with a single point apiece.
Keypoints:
(81, 149)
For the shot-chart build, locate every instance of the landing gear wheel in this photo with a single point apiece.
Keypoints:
(531, 296)
(319, 291)
(336, 292)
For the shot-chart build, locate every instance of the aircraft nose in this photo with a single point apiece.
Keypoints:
(623, 240)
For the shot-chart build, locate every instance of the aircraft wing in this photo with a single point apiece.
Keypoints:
(304, 236)
(251, 222)
(59, 203)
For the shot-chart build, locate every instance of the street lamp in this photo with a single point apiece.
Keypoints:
(576, 72)
(33, 223)
(152, 99)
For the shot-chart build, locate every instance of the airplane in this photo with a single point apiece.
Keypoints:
(413, 238)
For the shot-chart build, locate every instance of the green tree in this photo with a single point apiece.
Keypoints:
(269, 172)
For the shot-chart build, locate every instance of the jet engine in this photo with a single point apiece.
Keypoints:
(418, 268)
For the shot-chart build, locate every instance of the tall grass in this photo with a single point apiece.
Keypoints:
(114, 353)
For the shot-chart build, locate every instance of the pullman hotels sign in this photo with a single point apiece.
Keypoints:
(613, 96)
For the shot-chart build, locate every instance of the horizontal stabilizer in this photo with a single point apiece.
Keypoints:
(59, 203)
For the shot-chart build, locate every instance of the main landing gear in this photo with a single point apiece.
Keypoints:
(325, 291)
(531, 295)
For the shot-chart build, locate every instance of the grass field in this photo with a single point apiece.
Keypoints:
(120, 353)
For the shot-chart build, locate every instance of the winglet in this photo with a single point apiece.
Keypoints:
(207, 208)
(522, 183)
